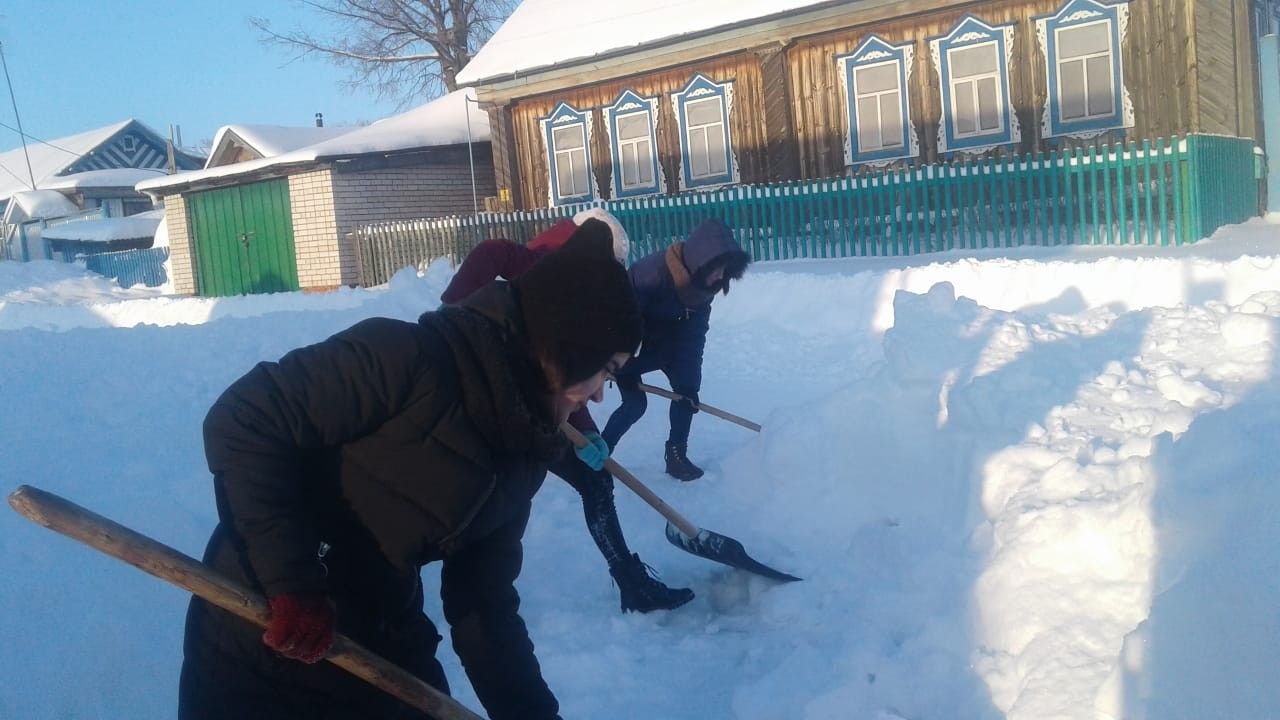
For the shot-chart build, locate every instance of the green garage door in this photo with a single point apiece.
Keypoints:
(243, 239)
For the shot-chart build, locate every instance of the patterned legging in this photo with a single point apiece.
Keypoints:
(596, 489)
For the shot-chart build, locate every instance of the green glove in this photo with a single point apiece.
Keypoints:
(595, 452)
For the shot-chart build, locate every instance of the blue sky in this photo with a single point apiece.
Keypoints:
(81, 64)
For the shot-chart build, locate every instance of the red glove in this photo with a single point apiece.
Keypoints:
(301, 626)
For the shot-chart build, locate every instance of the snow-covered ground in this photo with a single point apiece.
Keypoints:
(1033, 484)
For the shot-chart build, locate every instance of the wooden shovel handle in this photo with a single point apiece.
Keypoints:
(660, 392)
(684, 526)
(63, 516)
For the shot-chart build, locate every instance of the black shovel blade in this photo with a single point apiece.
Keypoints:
(723, 549)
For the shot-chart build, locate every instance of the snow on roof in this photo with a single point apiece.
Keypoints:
(541, 33)
(272, 140)
(114, 177)
(442, 121)
(133, 227)
(49, 158)
(37, 205)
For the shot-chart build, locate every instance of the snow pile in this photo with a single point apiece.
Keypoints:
(37, 205)
(32, 291)
(111, 178)
(133, 227)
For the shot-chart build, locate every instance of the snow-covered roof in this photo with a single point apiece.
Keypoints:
(49, 158)
(272, 140)
(133, 227)
(542, 33)
(442, 121)
(37, 205)
(115, 177)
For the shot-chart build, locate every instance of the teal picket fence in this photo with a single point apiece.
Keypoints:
(1163, 192)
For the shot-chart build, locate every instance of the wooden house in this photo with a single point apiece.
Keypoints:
(593, 101)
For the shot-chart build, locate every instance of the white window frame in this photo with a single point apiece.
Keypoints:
(879, 96)
(1110, 54)
(571, 154)
(645, 141)
(995, 75)
(704, 131)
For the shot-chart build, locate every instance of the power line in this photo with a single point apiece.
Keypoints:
(14, 174)
(42, 142)
(14, 100)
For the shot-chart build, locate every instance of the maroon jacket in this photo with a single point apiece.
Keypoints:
(504, 259)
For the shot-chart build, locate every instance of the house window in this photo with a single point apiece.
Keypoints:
(636, 151)
(973, 67)
(706, 147)
(631, 122)
(567, 133)
(129, 143)
(1085, 79)
(975, 90)
(876, 80)
(878, 92)
(1085, 90)
(705, 133)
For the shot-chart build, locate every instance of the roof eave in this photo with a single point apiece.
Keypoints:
(268, 172)
(778, 29)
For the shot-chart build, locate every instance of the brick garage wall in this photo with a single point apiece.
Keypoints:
(181, 263)
(362, 197)
(315, 230)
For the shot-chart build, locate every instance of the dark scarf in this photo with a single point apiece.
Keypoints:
(687, 291)
(502, 387)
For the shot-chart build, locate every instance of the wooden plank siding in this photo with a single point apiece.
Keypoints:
(1226, 67)
(1155, 54)
(1188, 67)
(505, 170)
(746, 123)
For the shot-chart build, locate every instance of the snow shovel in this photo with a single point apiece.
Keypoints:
(162, 561)
(680, 532)
(703, 407)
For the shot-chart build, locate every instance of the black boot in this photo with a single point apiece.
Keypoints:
(678, 465)
(642, 592)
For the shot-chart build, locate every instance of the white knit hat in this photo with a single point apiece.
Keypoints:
(621, 243)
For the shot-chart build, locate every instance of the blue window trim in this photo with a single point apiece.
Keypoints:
(1073, 14)
(699, 88)
(875, 51)
(971, 31)
(565, 115)
(626, 104)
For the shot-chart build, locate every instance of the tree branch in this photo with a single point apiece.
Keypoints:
(405, 48)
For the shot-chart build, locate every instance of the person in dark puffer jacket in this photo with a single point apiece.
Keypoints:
(675, 288)
(638, 587)
(345, 467)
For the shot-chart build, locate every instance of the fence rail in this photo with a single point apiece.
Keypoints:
(1163, 192)
(131, 267)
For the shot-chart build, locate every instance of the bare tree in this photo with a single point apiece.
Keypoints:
(404, 49)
